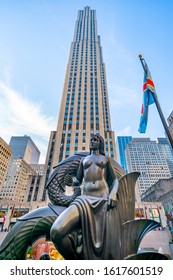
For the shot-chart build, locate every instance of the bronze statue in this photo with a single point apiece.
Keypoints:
(92, 210)
(95, 222)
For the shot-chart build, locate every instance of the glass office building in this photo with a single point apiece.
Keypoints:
(147, 157)
(121, 144)
(23, 147)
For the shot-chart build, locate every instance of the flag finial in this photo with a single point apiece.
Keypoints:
(140, 55)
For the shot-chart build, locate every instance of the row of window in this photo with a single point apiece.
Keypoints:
(85, 24)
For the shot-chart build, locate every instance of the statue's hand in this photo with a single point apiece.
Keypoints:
(68, 180)
(112, 200)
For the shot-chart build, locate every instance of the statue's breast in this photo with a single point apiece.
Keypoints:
(99, 163)
(87, 164)
(102, 163)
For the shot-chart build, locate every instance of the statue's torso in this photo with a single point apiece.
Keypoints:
(95, 173)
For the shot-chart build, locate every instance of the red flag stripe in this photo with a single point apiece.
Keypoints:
(4, 219)
(145, 86)
(150, 82)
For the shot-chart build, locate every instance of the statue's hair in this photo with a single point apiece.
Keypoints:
(102, 145)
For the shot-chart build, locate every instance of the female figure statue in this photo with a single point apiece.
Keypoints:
(94, 210)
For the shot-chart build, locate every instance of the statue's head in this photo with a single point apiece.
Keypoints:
(101, 143)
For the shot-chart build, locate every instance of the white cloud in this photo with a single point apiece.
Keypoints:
(122, 96)
(19, 116)
(119, 50)
(126, 131)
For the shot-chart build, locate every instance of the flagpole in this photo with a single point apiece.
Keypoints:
(159, 110)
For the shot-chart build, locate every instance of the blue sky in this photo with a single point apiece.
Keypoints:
(35, 39)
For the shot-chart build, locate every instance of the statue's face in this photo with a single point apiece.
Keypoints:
(94, 143)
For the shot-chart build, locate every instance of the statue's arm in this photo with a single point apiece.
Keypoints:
(75, 181)
(112, 199)
(113, 194)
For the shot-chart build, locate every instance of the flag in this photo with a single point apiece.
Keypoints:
(159, 215)
(148, 91)
(4, 219)
(151, 213)
(12, 212)
(3, 222)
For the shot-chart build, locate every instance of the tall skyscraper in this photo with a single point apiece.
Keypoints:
(84, 106)
(5, 157)
(121, 144)
(23, 147)
(34, 193)
(17, 181)
(19, 173)
(148, 158)
(167, 152)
